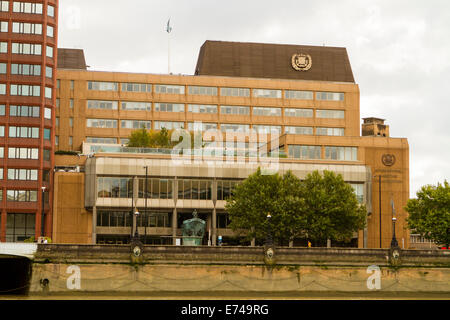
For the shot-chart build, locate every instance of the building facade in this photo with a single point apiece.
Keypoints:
(28, 49)
(305, 97)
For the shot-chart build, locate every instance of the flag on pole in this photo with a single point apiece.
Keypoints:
(168, 28)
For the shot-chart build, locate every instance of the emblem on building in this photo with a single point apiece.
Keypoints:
(388, 159)
(301, 62)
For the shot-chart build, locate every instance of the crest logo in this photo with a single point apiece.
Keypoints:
(388, 159)
(301, 62)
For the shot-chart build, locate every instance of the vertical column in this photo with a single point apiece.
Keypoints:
(94, 225)
(174, 226)
(214, 227)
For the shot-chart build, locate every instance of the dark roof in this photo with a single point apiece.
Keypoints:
(262, 60)
(71, 59)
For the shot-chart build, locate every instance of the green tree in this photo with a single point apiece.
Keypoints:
(333, 211)
(429, 214)
(140, 138)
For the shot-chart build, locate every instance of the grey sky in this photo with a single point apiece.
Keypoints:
(399, 52)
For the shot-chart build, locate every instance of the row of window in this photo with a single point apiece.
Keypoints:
(200, 126)
(315, 152)
(152, 219)
(27, 7)
(158, 188)
(26, 69)
(213, 91)
(26, 90)
(26, 28)
(26, 48)
(212, 109)
(24, 153)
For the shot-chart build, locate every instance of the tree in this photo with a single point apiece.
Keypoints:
(429, 214)
(140, 138)
(333, 211)
(259, 195)
(320, 207)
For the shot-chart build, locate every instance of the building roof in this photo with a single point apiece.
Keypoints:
(261, 60)
(71, 59)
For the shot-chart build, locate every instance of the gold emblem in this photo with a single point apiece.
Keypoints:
(388, 159)
(301, 62)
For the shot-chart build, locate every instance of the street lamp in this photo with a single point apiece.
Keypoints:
(394, 243)
(42, 213)
(136, 232)
(269, 240)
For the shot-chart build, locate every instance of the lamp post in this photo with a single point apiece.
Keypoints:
(42, 213)
(394, 242)
(146, 197)
(136, 232)
(269, 240)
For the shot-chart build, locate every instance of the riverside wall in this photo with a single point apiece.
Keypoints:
(61, 269)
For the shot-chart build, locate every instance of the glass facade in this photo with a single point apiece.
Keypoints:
(189, 189)
(304, 152)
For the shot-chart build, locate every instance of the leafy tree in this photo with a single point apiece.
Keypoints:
(333, 211)
(140, 138)
(320, 207)
(429, 214)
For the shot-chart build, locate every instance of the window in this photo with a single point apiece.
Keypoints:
(28, 48)
(359, 191)
(266, 93)
(101, 123)
(2, 88)
(169, 125)
(164, 88)
(205, 91)
(102, 86)
(56, 140)
(266, 129)
(201, 126)
(2, 131)
(135, 124)
(236, 110)
(27, 28)
(169, 107)
(23, 153)
(19, 226)
(304, 152)
(27, 7)
(101, 140)
(228, 127)
(24, 111)
(261, 111)
(50, 31)
(330, 96)
(57, 121)
(223, 220)
(25, 90)
(190, 189)
(128, 105)
(2, 109)
(49, 52)
(3, 68)
(26, 69)
(299, 130)
(22, 174)
(341, 153)
(114, 187)
(330, 131)
(48, 92)
(299, 95)
(330, 114)
(136, 87)
(1, 177)
(3, 26)
(2, 152)
(49, 72)
(47, 113)
(302, 113)
(202, 108)
(72, 84)
(225, 187)
(3, 47)
(4, 7)
(50, 11)
(47, 134)
(70, 143)
(71, 122)
(99, 104)
(23, 132)
(58, 84)
(235, 92)
(71, 103)
(21, 195)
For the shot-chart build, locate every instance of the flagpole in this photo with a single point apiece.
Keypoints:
(168, 29)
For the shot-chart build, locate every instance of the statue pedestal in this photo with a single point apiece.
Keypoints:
(192, 241)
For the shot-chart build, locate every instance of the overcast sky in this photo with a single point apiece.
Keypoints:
(399, 52)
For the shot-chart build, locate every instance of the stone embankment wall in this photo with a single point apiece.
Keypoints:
(158, 269)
